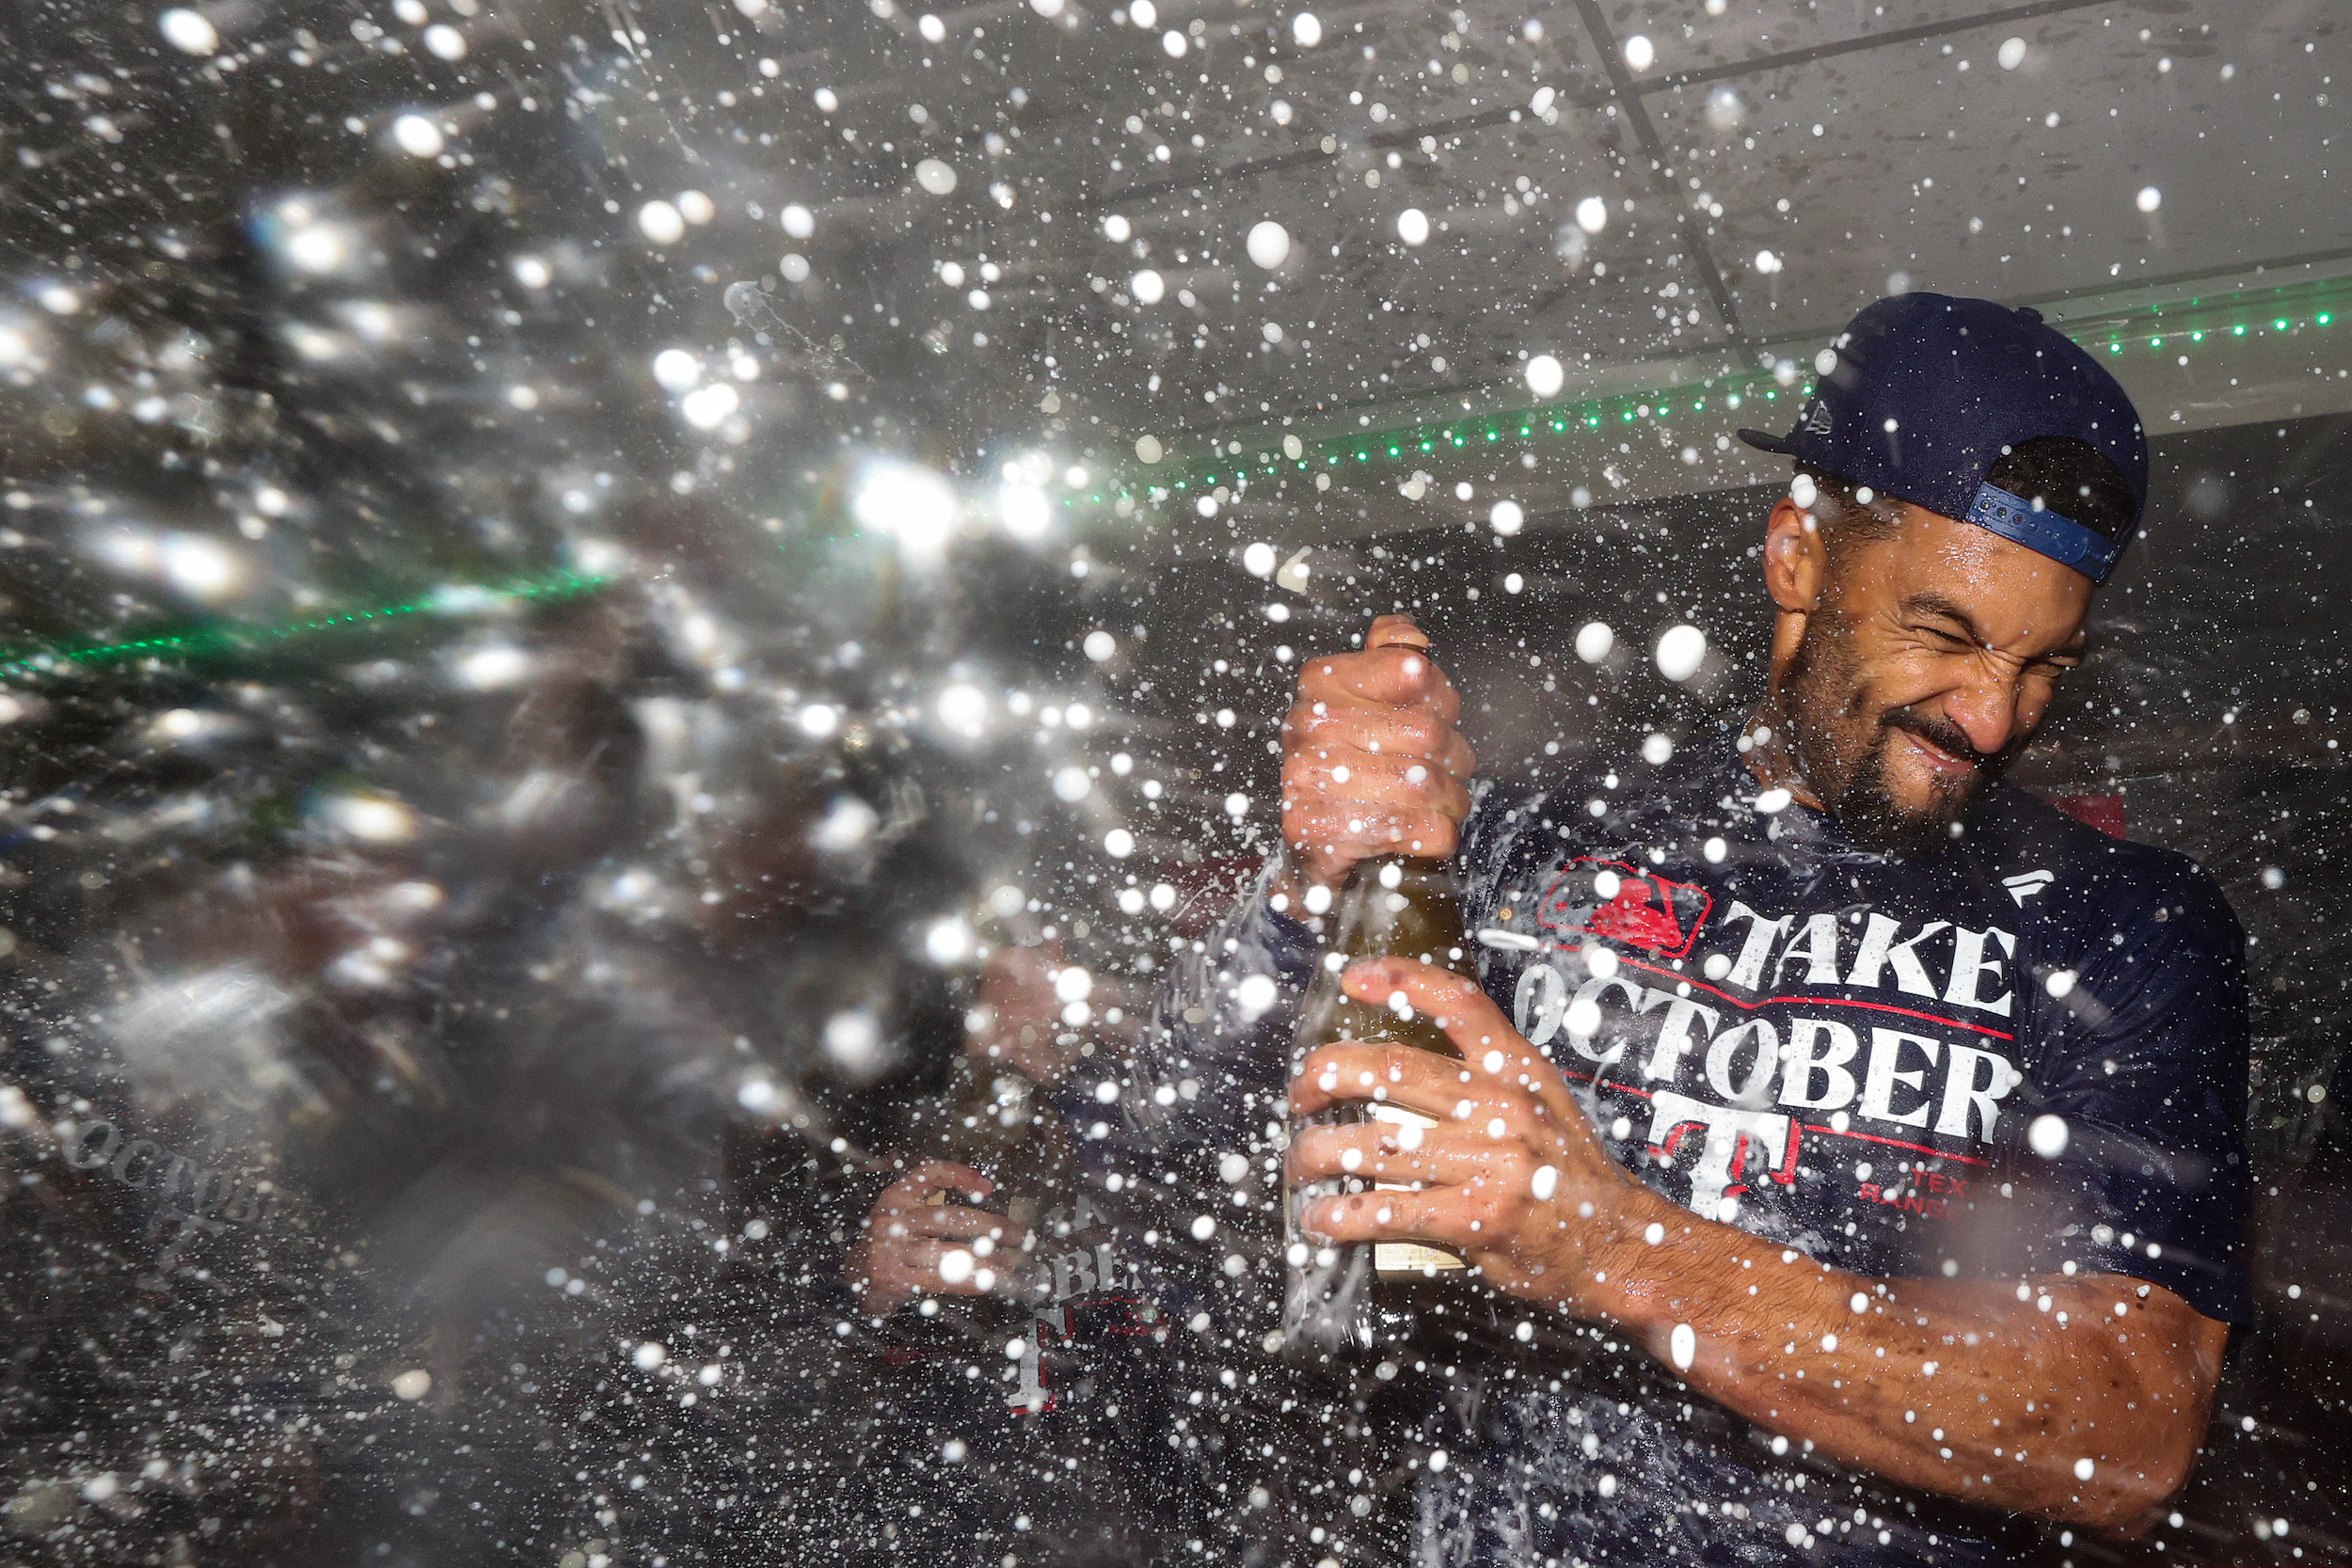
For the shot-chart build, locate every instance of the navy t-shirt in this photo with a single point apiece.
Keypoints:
(2025, 1055)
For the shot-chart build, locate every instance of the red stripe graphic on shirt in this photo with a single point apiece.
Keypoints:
(1599, 1082)
(1898, 1142)
(1812, 1001)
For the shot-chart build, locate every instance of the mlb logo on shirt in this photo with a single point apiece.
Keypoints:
(1610, 899)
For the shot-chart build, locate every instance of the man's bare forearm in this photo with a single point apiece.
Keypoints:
(1960, 1387)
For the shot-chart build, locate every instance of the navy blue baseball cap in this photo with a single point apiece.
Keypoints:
(1922, 394)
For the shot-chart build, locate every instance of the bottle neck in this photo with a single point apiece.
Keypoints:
(1403, 906)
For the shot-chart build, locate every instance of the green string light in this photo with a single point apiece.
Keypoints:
(1460, 436)
(208, 640)
(1734, 392)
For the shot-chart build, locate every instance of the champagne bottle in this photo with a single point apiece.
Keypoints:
(995, 1124)
(1393, 907)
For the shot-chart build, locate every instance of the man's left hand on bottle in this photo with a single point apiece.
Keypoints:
(1511, 1178)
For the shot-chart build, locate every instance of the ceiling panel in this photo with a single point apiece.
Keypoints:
(1960, 182)
(1685, 40)
(1355, 301)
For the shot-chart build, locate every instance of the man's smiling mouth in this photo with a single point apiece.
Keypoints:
(1936, 757)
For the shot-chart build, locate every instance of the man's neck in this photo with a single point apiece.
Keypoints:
(1768, 757)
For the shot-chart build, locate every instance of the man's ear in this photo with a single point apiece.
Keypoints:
(1796, 562)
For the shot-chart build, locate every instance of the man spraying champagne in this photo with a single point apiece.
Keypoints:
(1863, 1133)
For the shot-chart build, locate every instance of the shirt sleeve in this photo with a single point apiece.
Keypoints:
(1206, 1083)
(2141, 1059)
(1218, 1054)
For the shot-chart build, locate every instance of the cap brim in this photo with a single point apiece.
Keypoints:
(1767, 443)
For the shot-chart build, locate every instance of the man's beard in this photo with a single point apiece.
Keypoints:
(1821, 693)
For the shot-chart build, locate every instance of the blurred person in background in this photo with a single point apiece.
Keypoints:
(992, 1280)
